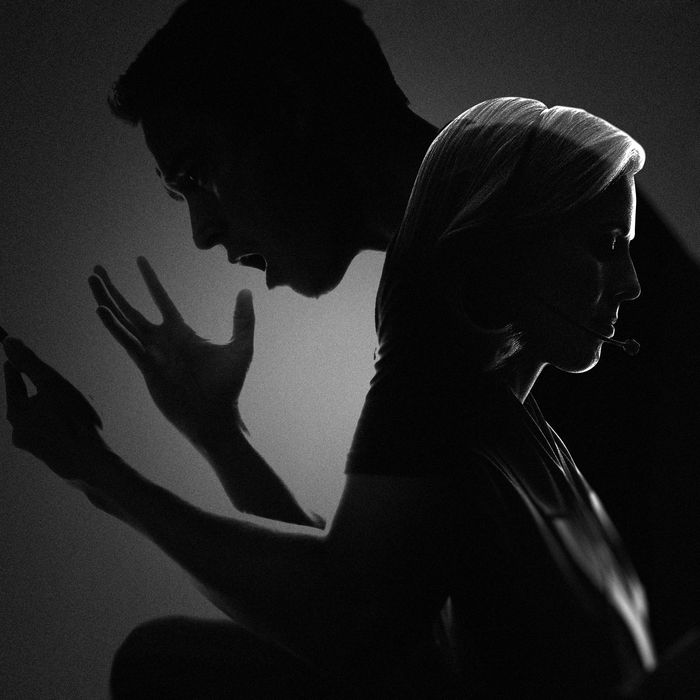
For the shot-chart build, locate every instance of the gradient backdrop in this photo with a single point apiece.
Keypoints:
(78, 188)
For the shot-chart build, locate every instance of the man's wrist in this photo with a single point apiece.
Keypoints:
(104, 476)
(222, 432)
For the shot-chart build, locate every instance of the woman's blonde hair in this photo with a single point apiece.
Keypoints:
(497, 177)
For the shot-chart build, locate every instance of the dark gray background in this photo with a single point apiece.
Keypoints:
(78, 188)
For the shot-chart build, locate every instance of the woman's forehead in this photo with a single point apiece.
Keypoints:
(616, 205)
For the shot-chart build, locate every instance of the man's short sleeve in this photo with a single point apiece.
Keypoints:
(409, 427)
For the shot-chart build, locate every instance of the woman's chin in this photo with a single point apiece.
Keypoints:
(581, 362)
(582, 365)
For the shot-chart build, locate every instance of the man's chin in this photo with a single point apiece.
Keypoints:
(308, 285)
(270, 281)
(275, 277)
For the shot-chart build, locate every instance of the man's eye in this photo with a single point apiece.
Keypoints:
(187, 180)
(184, 180)
(190, 178)
(194, 176)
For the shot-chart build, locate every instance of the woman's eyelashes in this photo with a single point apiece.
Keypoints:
(605, 246)
(608, 242)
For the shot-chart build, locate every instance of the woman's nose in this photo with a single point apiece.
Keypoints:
(629, 287)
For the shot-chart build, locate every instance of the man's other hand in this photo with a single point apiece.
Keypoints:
(56, 424)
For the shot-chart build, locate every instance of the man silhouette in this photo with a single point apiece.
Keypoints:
(280, 125)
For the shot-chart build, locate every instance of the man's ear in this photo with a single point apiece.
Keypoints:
(319, 127)
(298, 103)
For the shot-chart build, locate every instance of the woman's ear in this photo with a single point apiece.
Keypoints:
(480, 280)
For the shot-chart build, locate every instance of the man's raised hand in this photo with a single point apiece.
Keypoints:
(195, 383)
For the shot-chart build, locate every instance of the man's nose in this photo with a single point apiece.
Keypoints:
(206, 219)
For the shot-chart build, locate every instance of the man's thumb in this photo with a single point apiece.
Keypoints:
(243, 315)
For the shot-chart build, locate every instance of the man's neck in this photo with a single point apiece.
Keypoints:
(389, 176)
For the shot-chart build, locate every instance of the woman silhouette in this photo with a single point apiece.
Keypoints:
(514, 254)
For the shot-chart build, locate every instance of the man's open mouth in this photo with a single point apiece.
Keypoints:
(253, 260)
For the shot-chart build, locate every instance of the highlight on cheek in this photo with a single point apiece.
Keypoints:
(174, 195)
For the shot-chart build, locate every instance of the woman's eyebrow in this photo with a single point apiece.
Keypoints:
(619, 227)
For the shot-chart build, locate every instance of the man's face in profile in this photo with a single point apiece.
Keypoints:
(269, 200)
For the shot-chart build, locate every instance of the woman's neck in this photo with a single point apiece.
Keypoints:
(523, 377)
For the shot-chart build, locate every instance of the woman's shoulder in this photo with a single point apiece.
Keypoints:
(404, 430)
(422, 419)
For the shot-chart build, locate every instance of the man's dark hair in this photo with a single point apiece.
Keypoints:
(227, 55)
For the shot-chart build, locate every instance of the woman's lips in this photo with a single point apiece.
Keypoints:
(605, 328)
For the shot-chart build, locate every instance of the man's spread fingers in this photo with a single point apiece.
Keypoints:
(123, 337)
(160, 296)
(135, 317)
(102, 297)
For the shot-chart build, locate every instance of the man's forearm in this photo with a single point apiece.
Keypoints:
(265, 575)
(251, 484)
